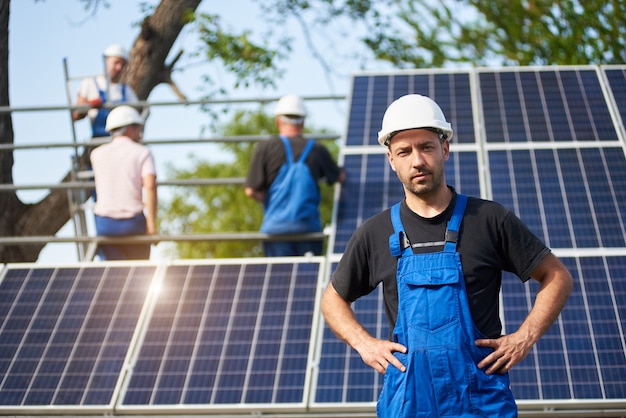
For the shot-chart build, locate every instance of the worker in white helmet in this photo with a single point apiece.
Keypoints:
(439, 256)
(125, 178)
(290, 197)
(104, 89)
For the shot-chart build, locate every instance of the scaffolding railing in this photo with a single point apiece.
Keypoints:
(82, 182)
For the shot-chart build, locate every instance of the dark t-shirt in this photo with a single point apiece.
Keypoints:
(270, 155)
(491, 239)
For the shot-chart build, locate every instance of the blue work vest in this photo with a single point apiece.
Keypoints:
(435, 325)
(99, 123)
(292, 202)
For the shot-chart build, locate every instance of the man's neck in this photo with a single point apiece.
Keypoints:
(431, 204)
(291, 132)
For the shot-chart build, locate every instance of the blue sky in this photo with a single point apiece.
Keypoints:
(43, 34)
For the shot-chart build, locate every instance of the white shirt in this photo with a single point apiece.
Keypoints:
(89, 90)
(118, 169)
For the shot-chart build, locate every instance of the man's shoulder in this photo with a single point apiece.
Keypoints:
(378, 224)
(270, 143)
(484, 207)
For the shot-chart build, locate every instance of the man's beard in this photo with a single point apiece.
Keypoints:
(421, 189)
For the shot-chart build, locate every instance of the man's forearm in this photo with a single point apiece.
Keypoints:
(556, 286)
(376, 353)
(150, 204)
(341, 319)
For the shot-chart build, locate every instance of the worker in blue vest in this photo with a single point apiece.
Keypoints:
(283, 175)
(439, 256)
(106, 88)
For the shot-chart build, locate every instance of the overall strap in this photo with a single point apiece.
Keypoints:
(398, 241)
(95, 81)
(306, 151)
(288, 152)
(452, 232)
(101, 92)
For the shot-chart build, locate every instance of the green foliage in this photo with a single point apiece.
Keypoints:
(248, 61)
(212, 209)
(502, 32)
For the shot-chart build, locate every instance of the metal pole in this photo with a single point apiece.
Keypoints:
(76, 197)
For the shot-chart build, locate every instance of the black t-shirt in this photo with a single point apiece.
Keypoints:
(491, 239)
(270, 155)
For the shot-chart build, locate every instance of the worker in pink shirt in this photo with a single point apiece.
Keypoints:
(125, 178)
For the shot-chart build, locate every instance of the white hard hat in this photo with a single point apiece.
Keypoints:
(290, 105)
(122, 116)
(413, 111)
(116, 50)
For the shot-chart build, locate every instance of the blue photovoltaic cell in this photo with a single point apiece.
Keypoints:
(569, 198)
(373, 93)
(371, 186)
(583, 355)
(227, 334)
(536, 106)
(343, 376)
(617, 83)
(65, 332)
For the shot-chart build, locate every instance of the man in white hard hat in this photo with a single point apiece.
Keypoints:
(104, 89)
(439, 256)
(290, 198)
(123, 169)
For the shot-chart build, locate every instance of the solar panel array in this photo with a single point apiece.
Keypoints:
(227, 334)
(246, 336)
(206, 335)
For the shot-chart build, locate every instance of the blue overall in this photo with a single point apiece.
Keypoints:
(435, 325)
(291, 206)
(120, 227)
(98, 124)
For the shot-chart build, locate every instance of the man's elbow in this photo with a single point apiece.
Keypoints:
(559, 278)
(331, 300)
(565, 277)
(567, 282)
(254, 194)
(342, 176)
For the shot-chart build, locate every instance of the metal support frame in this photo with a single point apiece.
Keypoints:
(82, 181)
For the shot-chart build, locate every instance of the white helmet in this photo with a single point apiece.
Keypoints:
(122, 116)
(116, 50)
(413, 111)
(291, 105)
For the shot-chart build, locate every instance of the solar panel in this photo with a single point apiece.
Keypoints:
(65, 333)
(570, 198)
(223, 334)
(616, 80)
(342, 377)
(582, 356)
(545, 105)
(372, 93)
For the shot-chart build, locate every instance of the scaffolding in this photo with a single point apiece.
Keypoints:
(81, 183)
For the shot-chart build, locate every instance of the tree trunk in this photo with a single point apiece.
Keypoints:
(146, 70)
